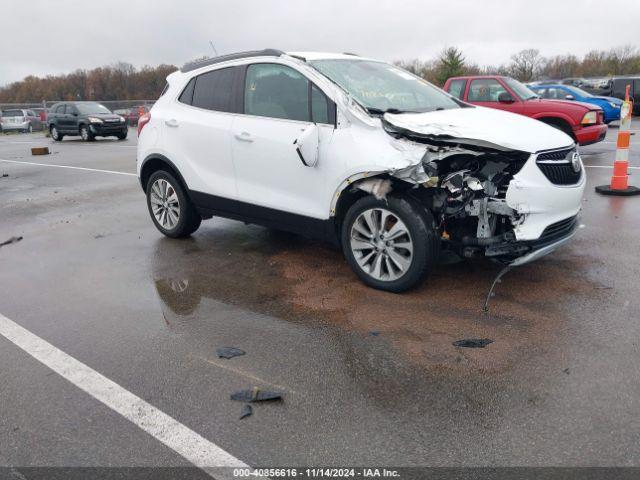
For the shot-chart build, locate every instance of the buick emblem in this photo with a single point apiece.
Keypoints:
(575, 162)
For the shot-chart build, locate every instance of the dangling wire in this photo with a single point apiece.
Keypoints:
(485, 309)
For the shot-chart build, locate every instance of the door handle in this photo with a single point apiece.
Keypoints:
(171, 123)
(244, 137)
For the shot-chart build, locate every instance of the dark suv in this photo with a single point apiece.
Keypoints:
(86, 119)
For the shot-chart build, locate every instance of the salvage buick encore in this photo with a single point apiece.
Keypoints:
(360, 153)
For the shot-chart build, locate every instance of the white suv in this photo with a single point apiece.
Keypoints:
(360, 153)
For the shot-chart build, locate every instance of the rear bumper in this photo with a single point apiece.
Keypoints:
(8, 127)
(590, 134)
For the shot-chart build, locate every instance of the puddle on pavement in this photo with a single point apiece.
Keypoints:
(302, 281)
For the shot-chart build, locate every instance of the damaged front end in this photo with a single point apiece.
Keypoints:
(463, 183)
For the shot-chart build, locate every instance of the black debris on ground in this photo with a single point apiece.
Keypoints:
(229, 352)
(256, 395)
(10, 241)
(472, 342)
(374, 333)
(247, 410)
(4, 175)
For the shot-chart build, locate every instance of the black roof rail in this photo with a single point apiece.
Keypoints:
(267, 52)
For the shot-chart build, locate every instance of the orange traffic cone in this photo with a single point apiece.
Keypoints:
(619, 180)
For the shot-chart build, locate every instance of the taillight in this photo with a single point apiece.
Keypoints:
(142, 121)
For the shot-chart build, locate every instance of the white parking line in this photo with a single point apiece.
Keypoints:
(68, 166)
(182, 440)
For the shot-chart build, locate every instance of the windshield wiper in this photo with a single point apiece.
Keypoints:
(379, 111)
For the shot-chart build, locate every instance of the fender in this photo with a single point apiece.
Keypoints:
(162, 158)
(559, 115)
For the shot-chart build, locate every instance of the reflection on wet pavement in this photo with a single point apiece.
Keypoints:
(301, 281)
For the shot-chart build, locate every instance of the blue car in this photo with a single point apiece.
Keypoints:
(610, 105)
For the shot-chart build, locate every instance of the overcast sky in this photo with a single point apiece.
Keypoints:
(46, 37)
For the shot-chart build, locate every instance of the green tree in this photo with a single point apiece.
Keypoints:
(450, 63)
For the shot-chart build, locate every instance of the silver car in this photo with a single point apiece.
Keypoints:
(23, 120)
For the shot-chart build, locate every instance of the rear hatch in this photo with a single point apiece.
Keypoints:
(10, 117)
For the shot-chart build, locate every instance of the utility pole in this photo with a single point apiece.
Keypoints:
(213, 47)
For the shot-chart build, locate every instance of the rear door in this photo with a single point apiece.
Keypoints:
(486, 91)
(279, 104)
(197, 129)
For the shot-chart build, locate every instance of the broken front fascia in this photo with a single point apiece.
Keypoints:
(468, 185)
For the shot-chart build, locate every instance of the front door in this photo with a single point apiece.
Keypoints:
(279, 104)
(486, 92)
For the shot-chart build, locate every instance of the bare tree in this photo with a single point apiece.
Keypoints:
(526, 64)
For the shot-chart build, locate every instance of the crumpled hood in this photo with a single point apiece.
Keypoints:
(484, 126)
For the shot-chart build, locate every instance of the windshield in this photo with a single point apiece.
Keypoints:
(89, 108)
(523, 92)
(578, 92)
(380, 87)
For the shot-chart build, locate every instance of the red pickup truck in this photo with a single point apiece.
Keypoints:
(581, 121)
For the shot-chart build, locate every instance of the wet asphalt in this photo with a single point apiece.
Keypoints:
(369, 378)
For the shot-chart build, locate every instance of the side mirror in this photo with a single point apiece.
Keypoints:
(569, 97)
(505, 97)
(307, 145)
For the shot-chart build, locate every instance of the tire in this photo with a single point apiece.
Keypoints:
(55, 134)
(405, 261)
(122, 136)
(159, 188)
(86, 134)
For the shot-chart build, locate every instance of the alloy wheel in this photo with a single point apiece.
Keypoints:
(165, 204)
(381, 244)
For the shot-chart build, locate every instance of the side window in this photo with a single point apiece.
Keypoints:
(214, 90)
(59, 109)
(276, 91)
(187, 94)
(456, 88)
(319, 106)
(485, 90)
(71, 109)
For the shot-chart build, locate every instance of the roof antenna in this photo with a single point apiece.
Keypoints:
(214, 48)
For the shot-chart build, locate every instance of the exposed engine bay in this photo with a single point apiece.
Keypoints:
(464, 186)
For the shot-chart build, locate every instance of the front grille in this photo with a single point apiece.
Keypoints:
(556, 166)
(556, 231)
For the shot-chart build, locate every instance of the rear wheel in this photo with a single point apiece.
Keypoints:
(169, 206)
(391, 245)
(55, 134)
(86, 134)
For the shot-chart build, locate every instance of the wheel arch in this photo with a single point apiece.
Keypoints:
(156, 162)
(345, 195)
(560, 122)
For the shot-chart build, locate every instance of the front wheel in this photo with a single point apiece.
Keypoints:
(55, 134)
(171, 210)
(86, 134)
(391, 245)
(122, 136)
